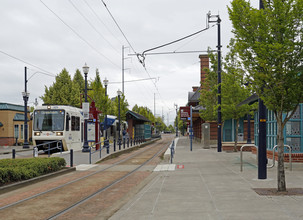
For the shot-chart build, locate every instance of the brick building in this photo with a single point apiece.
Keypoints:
(229, 128)
(12, 124)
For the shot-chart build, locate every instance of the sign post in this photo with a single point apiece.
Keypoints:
(191, 128)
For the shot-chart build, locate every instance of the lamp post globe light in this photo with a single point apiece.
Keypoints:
(176, 120)
(85, 144)
(105, 82)
(25, 98)
(119, 117)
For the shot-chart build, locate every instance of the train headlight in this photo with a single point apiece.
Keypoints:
(37, 133)
(59, 133)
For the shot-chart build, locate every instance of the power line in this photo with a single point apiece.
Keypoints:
(79, 35)
(118, 26)
(97, 16)
(86, 19)
(135, 80)
(141, 56)
(23, 61)
(177, 52)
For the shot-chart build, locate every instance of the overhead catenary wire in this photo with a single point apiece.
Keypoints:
(82, 38)
(98, 17)
(33, 65)
(93, 26)
(118, 26)
(135, 80)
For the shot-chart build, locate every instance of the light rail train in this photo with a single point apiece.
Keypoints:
(53, 123)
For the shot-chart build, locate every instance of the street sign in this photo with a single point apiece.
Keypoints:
(85, 108)
(184, 112)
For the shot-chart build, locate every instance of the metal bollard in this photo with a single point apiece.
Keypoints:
(35, 152)
(48, 150)
(114, 145)
(171, 153)
(90, 155)
(106, 143)
(100, 150)
(71, 157)
(14, 153)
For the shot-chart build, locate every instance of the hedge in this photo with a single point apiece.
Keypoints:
(13, 170)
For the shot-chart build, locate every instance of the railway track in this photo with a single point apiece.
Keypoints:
(99, 188)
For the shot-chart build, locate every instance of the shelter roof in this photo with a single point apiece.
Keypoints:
(136, 116)
(250, 100)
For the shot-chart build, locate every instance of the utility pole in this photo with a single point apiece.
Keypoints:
(123, 69)
(176, 120)
(155, 104)
(262, 151)
(218, 21)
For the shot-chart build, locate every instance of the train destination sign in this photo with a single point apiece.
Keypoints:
(184, 113)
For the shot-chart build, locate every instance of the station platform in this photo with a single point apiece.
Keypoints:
(206, 184)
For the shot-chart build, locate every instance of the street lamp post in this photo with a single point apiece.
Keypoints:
(176, 120)
(119, 137)
(25, 95)
(85, 145)
(218, 21)
(105, 81)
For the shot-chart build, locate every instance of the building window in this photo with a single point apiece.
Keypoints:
(22, 132)
(16, 131)
(75, 123)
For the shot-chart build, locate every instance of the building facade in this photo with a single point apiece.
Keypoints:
(229, 126)
(293, 131)
(12, 124)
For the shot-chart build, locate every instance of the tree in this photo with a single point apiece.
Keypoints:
(97, 93)
(62, 92)
(79, 80)
(233, 90)
(208, 98)
(269, 43)
(123, 107)
(144, 111)
(160, 125)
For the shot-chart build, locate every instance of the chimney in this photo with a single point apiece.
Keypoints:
(195, 88)
(204, 63)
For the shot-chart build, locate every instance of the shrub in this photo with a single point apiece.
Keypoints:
(13, 170)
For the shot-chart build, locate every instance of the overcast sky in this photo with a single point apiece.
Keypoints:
(49, 35)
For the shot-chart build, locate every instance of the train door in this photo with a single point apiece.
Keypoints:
(75, 133)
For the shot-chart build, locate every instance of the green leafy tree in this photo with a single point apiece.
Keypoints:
(97, 94)
(123, 107)
(160, 125)
(269, 43)
(144, 111)
(79, 80)
(209, 91)
(62, 91)
(171, 128)
(234, 91)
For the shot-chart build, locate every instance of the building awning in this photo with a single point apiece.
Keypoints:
(136, 116)
(250, 100)
(109, 121)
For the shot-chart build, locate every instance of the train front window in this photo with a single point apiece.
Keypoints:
(49, 120)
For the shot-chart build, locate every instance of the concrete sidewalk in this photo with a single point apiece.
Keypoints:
(209, 185)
